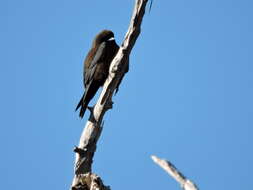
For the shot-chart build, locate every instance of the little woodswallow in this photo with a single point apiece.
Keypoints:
(96, 66)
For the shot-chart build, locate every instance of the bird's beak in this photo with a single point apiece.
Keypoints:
(111, 39)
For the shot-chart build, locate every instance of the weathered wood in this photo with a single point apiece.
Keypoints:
(83, 178)
(185, 183)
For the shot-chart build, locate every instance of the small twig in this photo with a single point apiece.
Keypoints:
(79, 151)
(185, 183)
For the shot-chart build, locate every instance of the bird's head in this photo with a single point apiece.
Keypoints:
(103, 36)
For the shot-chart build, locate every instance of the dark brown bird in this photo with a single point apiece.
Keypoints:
(96, 66)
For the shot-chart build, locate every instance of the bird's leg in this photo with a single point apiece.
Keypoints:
(91, 118)
(90, 108)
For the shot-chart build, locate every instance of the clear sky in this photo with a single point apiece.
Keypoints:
(187, 96)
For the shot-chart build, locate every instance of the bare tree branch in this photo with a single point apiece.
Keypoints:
(185, 183)
(84, 179)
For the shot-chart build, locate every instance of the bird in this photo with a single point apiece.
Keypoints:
(96, 67)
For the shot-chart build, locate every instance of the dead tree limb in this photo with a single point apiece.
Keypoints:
(84, 179)
(185, 183)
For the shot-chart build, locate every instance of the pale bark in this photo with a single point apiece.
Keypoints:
(84, 179)
(185, 183)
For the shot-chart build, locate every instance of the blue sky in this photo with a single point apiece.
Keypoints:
(187, 96)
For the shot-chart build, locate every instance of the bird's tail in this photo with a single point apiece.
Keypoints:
(80, 104)
(89, 93)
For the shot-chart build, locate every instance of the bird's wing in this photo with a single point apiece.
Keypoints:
(99, 56)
